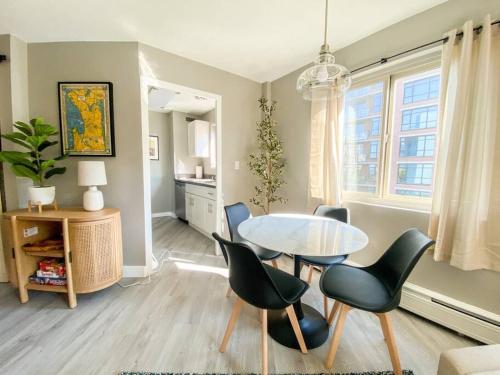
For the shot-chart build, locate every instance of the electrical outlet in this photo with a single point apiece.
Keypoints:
(237, 164)
(28, 232)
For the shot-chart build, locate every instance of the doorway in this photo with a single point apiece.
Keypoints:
(181, 138)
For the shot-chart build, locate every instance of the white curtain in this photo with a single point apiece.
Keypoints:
(465, 217)
(325, 152)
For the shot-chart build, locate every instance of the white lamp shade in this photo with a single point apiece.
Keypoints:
(91, 173)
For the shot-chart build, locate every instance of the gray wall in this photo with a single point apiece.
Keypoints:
(162, 171)
(122, 63)
(383, 224)
(239, 111)
(98, 61)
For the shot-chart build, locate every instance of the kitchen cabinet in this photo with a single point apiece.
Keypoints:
(201, 208)
(199, 139)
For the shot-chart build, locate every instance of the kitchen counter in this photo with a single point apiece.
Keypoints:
(198, 181)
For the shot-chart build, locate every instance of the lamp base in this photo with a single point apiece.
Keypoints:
(92, 199)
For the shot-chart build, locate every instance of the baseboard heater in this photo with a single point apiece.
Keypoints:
(471, 321)
(469, 313)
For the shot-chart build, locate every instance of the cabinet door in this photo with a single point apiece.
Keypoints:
(199, 139)
(189, 207)
(210, 215)
(194, 210)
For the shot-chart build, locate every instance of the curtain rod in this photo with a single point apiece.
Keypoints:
(383, 60)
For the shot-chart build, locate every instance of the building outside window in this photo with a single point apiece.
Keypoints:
(406, 168)
(414, 125)
(363, 113)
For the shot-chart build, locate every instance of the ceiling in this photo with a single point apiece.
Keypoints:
(258, 39)
(162, 100)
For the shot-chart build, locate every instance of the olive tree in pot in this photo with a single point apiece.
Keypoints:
(35, 137)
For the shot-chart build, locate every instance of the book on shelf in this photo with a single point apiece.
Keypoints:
(51, 275)
(60, 281)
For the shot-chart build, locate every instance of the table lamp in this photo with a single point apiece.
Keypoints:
(92, 174)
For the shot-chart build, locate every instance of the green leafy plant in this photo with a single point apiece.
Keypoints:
(35, 138)
(267, 163)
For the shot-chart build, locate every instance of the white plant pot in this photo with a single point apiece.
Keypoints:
(42, 195)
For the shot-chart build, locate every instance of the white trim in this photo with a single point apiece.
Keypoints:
(134, 271)
(164, 214)
(145, 82)
(419, 300)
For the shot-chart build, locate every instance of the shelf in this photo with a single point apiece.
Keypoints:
(50, 253)
(47, 288)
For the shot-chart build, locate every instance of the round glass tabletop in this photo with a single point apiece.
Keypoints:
(303, 234)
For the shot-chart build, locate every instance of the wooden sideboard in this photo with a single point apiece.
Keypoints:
(92, 248)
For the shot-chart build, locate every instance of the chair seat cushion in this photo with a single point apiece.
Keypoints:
(356, 287)
(325, 261)
(262, 253)
(290, 287)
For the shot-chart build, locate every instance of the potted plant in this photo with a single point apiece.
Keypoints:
(35, 137)
(267, 163)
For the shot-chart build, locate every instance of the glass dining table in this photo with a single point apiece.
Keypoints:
(300, 235)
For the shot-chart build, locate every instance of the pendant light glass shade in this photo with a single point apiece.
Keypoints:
(325, 78)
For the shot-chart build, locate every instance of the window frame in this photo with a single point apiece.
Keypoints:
(388, 76)
(356, 195)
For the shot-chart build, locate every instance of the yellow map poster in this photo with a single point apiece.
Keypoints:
(86, 118)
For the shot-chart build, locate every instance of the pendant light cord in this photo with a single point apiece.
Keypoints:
(326, 21)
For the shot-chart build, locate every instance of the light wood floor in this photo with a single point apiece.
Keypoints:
(176, 322)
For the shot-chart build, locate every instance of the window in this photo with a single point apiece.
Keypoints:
(375, 126)
(421, 89)
(374, 150)
(419, 118)
(413, 193)
(422, 145)
(391, 156)
(415, 174)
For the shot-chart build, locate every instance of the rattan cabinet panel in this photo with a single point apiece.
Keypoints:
(96, 254)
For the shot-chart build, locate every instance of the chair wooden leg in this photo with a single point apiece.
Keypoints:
(333, 313)
(296, 328)
(264, 342)
(325, 307)
(228, 292)
(386, 324)
(275, 263)
(336, 336)
(310, 276)
(230, 324)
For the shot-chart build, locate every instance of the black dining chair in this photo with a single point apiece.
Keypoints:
(323, 262)
(262, 286)
(376, 288)
(238, 213)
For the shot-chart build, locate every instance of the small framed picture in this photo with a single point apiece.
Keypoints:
(154, 152)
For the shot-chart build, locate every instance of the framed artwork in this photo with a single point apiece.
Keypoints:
(154, 152)
(86, 117)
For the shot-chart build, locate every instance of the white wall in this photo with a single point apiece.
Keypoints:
(162, 171)
(383, 224)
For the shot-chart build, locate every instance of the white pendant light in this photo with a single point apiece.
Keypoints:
(324, 78)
